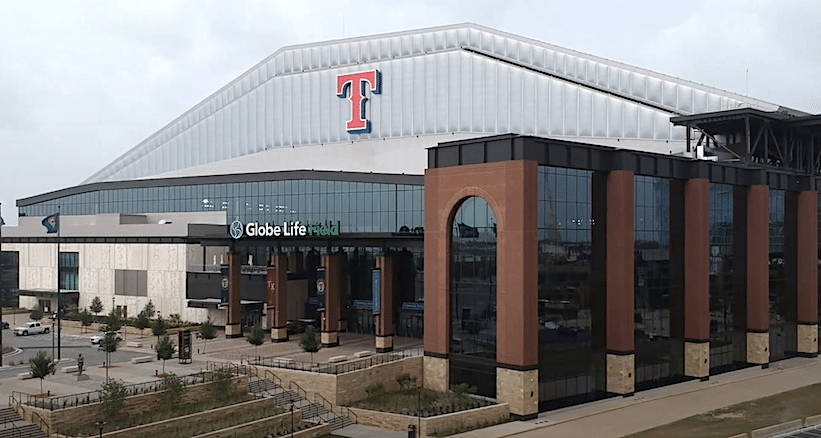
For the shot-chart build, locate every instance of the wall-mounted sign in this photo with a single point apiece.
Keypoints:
(352, 86)
(286, 229)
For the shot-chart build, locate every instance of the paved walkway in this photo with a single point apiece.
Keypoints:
(621, 416)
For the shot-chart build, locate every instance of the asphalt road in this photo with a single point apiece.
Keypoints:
(71, 347)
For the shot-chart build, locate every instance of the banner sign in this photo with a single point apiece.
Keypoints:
(413, 306)
(224, 283)
(376, 289)
(363, 304)
(320, 288)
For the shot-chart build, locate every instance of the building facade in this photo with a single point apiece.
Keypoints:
(557, 227)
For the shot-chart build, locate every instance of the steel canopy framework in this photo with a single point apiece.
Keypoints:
(752, 136)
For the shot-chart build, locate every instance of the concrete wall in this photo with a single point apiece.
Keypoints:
(439, 425)
(166, 265)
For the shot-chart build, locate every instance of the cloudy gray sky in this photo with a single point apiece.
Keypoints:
(81, 82)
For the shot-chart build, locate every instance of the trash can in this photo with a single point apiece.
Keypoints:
(411, 431)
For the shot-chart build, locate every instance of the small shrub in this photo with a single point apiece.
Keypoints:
(112, 397)
(220, 384)
(406, 381)
(173, 387)
(375, 390)
(463, 389)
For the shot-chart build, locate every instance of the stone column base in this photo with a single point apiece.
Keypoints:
(436, 373)
(233, 331)
(519, 389)
(329, 339)
(697, 359)
(279, 334)
(384, 344)
(621, 377)
(808, 340)
(758, 348)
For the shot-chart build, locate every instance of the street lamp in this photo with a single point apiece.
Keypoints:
(292, 419)
(100, 425)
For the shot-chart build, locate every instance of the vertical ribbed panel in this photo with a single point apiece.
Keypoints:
(430, 85)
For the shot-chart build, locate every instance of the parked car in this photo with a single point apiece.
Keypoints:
(31, 328)
(96, 339)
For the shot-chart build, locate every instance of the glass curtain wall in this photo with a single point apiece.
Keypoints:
(727, 311)
(571, 370)
(658, 304)
(783, 336)
(360, 207)
(472, 355)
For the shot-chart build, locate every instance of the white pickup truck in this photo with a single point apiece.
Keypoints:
(31, 328)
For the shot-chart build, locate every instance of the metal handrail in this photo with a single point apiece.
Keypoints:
(277, 362)
(349, 412)
(42, 421)
(72, 400)
(298, 389)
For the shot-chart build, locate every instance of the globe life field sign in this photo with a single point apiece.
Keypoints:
(286, 229)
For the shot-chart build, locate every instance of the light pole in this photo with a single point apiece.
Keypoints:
(100, 424)
(292, 419)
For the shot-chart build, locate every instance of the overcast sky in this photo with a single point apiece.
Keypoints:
(82, 82)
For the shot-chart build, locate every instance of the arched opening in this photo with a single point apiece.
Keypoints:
(472, 349)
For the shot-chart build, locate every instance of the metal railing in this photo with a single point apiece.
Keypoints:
(85, 398)
(41, 422)
(329, 368)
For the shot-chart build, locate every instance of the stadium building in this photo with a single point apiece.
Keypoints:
(558, 227)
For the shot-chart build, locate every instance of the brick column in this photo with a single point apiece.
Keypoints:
(620, 282)
(757, 275)
(277, 297)
(296, 261)
(437, 292)
(517, 291)
(334, 282)
(233, 328)
(385, 323)
(807, 272)
(696, 278)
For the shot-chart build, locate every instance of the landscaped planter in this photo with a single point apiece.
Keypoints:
(440, 425)
(183, 425)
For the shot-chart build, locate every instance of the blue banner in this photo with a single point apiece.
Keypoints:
(376, 289)
(224, 283)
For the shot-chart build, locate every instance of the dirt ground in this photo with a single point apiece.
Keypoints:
(744, 417)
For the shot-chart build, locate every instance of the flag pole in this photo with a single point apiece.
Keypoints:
(59, 332)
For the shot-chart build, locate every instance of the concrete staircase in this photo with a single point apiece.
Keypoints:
(12, 426)
(312, 412)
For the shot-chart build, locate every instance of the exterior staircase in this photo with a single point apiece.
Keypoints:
(312, 411)
(12, 426)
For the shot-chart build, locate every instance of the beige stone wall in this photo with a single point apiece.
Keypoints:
(758, 348)
(437, 373)
(621, 378)
(519, 389)
(87, 414)
(808, 338)
(697, 359)
(384, 342)
(351, 386)
(329, 338)
(344, 389)
(267, 425)
(323, 384)
(439, 425)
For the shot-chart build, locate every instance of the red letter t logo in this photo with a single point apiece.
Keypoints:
(355, 82)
